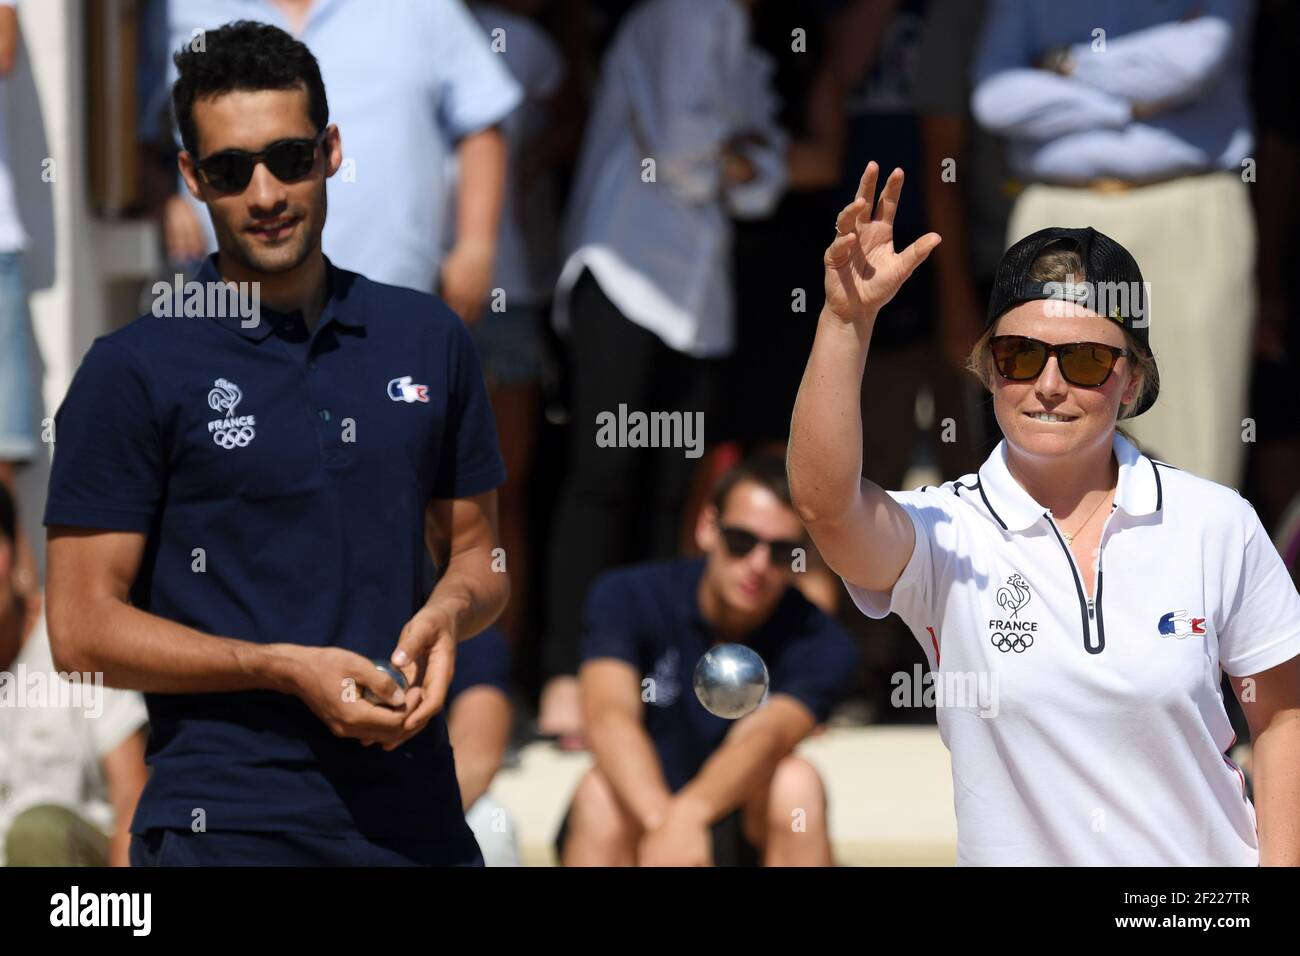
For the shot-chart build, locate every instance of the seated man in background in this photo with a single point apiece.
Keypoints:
(478, 723)
(672, 783)
(71, 758)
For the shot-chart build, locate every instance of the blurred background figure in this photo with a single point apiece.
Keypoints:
(478, 724)
(682, 133)
(1131, 116)
(18, 386)
(539, 133)
(412, 83)
(967, 189)
(1274, 473)
(674, 785)
(70, 775)
(773, 288)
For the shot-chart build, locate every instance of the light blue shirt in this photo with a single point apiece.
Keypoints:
(649, 210)
(1188, 54)
(406, 79)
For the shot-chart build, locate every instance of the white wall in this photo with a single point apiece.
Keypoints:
(73, 254)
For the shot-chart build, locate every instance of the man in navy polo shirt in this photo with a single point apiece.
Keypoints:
(238, 505)
(673, 784)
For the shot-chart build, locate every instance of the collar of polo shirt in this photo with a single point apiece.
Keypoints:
(337, 283)
(1137, 490)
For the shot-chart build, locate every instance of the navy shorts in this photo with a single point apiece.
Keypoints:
(730, 845)
(161, 846)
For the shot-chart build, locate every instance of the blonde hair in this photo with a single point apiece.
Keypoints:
(1058, 264)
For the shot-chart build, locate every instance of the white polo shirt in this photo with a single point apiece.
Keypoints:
(53, 742)
(1100, 737)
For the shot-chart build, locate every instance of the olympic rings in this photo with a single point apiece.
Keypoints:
(234, 437)
(1012, 642)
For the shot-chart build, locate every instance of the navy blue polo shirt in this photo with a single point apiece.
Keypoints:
(301, 465)
(649, 616)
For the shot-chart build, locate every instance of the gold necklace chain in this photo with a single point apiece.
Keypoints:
(1069, 537)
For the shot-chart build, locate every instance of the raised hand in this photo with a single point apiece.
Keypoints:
(863, 272)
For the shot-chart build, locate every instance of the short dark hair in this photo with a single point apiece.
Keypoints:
(8, 520)
(765, 470)
(244, 55)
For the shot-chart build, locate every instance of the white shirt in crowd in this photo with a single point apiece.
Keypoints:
(12, 236)
(679, 81)
(52, 747)
(1101, 735)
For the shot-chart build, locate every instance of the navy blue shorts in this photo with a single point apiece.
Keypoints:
(182, 847)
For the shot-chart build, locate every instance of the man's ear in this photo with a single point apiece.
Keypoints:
(333, 147)
(706, 529)
(190, 173)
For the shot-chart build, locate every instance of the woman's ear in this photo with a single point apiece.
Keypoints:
(1133, 388)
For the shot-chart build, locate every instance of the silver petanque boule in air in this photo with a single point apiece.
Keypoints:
(730, 680)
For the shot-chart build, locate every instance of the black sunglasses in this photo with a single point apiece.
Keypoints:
(1021, 359)
(740, 542)
(288, 160)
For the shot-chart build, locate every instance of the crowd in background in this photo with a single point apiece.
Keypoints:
(627, 202)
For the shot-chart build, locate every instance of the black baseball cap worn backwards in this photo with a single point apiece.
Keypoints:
(1111, 285)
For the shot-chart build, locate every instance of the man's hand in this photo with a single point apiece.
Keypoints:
(467, 278)
(428, 642)
(863, 272)
(683, 839)
(332, 682)
(182, 231)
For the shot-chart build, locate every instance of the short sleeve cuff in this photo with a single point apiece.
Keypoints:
(880, 604)
(475, 483)
(612, 652)
(106, 519)
(493, 110)
(1258, 661)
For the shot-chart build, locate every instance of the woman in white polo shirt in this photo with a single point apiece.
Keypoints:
(1093, 594)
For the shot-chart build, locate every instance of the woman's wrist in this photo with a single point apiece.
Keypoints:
(857, 330)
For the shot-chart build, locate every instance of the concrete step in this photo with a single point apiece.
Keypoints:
(890, 793)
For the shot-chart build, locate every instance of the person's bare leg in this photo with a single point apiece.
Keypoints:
(601, 831)
(787, 819)
(26, 578)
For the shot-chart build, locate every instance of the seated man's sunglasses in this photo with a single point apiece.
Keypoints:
(740, 542)
(288, 160)
(1021, 359)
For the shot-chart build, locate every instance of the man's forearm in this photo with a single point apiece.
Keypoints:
(475, 594)
(741, 765)
(1276, 762)
(482, 158)
(140, 651)
(626, 757)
